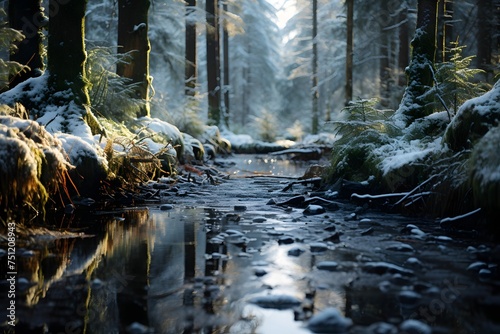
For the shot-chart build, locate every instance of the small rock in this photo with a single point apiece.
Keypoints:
(286, 240)
(240, 208)
(329, 321)
(166, 207)
(312, 209)
(400, 247)
(382, 328)
(137, 328)
(327, 265)
(318, 247)
(485, 274)
(351, 217)
(381, 268)
(409, 297)
(296, 251)
(331, 228)
(477, 266)
(259, 219)
(412, 326)
(413, 262)
(368, 231)
(334, 237)
(259, 272)
(279, 302)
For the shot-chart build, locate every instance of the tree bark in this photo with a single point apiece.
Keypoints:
(225, 43)
(213, 61)
(28, 17)
(349, 51)
(420, 71)
(404, 46)
(133, 39)
(315, 88)
(66, 49)
(190, 71)
(484, 35)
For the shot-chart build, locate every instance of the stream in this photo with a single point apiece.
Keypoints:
(224, 259)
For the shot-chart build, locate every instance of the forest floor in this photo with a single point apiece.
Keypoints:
(255, 253)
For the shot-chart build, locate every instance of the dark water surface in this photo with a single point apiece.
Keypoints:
(219, 259)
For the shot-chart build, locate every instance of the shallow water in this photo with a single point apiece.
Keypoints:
(202, 266)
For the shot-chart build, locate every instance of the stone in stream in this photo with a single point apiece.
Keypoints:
(382, 328)
(330, 320)
(412, 326)
(296, 251)
(313, 209)
(259, 272)
(381, 268)
(409, 298)
(259, 219)
(318, 247)
(400, 247)
(477, 266)
(327, 265)
(166, 207)
(279, 302)
(240, 208)
(286, 240)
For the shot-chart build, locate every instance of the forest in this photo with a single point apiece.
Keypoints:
(103, 95)
(141, 144)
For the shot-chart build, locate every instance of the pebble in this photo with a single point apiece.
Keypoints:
(351, 217)
(330, 320)
(412, 326)
(259, 272)
(286, 240)
(485, 274)
(381, 268)
(368, 231)
(296, 251)
(413, 262)
(259, 219)
(327, 265)
(400, 247)
(318, 246)
(137, 328)
(280, 302)
(382, 328)
(240, 208)
(477, 266)
(166, 207)
(409, 297)
(312, 209)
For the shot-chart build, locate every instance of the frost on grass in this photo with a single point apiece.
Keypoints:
(33, 166)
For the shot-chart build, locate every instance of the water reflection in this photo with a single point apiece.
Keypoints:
(248, 164)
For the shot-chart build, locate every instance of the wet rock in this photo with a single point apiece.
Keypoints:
(313, 209)
(382, 328)
(368, 231)
(351, 217)
(232, 232)
(137, 328)
(477, 266)
(400, 247)
(334, 237)
(400, 280)
(413, 326)
(327, 265)
(166, 207)
(330, 320)
(318, 247)
(279, 302)
(296, 251)
(331, 228)
(259, 219)
(485, 274)
(240, 208)
(259, 272)
(381, 268)
(296, 202)
(413, 262)
(286, 240)
(409, 297)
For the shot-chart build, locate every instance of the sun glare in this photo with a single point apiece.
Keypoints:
(285, 9)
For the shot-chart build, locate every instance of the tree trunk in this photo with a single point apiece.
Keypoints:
(484, 35)
(315, 88)
(133, 39)
(213, 61)
(349, 51)
(27, 16)
(420, 72)
(404, 46)
(66, 49)
(190, 71)
(225, 42)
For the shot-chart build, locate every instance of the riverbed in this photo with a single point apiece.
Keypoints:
(224, 258)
